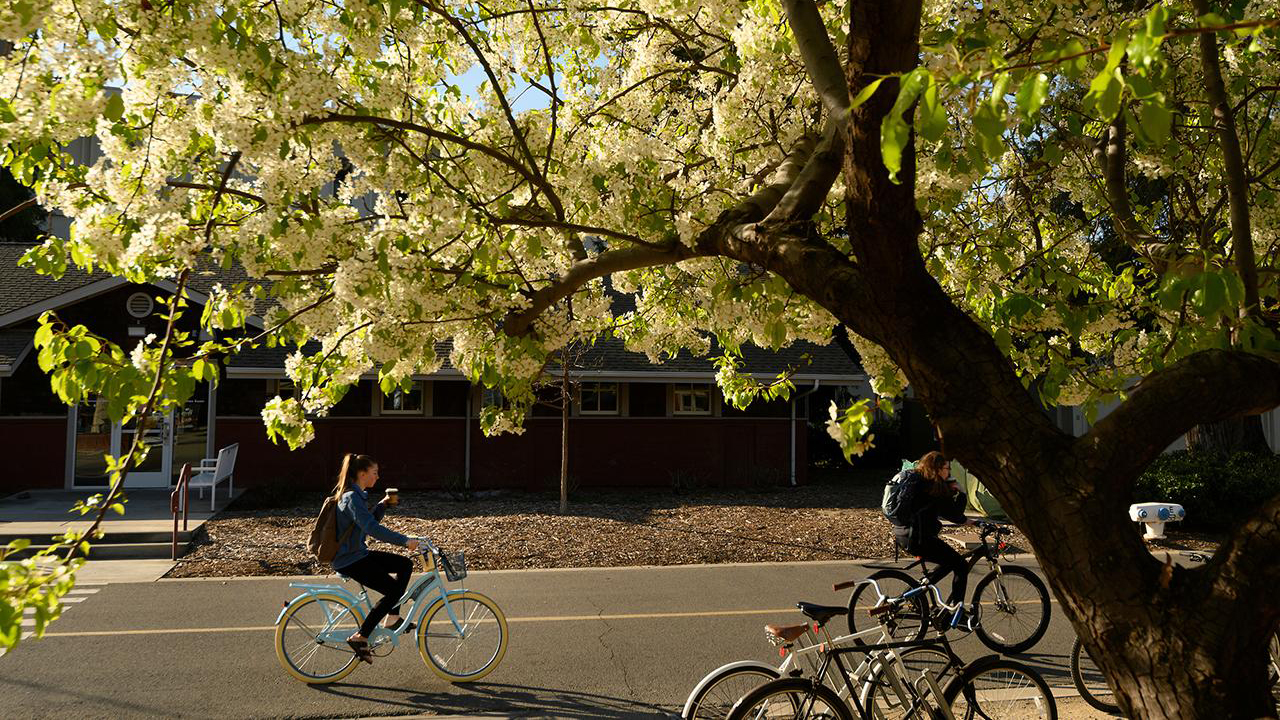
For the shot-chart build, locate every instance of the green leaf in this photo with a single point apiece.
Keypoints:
(866, 92)
(115, 107)
(1209, 298)
(931, 116)
(1156, 119)
(894, 131)
(1032, 95)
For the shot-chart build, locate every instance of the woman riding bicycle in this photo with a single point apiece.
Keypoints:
(388, 573)
(928, 492)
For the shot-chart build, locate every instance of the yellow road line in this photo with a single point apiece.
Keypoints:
(510, 620)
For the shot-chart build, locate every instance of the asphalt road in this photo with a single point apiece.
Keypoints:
(587, 643)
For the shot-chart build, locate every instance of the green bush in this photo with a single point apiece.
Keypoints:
(1216, 491)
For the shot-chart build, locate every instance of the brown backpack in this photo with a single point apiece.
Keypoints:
(324, 542)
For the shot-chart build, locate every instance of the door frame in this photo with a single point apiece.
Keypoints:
(154, 479)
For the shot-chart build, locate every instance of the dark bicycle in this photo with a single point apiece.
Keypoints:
(990, 687)
(1011, 603)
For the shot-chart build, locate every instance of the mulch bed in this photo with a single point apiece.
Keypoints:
(265, 532)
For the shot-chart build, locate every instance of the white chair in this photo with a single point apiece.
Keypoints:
(212, 471)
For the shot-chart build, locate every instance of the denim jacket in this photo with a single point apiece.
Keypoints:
(353, 507)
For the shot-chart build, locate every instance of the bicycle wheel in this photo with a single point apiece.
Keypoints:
(879, 693)
(476, 651)
(311, 638)
(909, 620)
(717, 693)
(1013, 609)
(793, 698)
(1089, 680)
(1000, 688)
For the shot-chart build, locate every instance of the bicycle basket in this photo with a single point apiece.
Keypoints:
(454, 565)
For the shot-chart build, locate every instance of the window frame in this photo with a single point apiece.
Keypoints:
(422, 402)
(617, 399)
(690, 389)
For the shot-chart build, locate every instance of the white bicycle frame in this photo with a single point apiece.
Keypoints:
(415, 593)
(862, 675)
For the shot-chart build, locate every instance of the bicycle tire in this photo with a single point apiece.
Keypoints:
(1016, 688)
(296, 650)
(718, 691)
(876, 696)
(996, 612)
(1086, 676)
(910, 621)
(476, 613)
(775, 695)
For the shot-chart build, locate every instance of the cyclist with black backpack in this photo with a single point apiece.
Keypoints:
(923, 494)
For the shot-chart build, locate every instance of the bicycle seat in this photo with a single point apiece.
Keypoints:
(787, 633)
(821, 613)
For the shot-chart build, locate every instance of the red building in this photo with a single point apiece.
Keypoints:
(632, 423)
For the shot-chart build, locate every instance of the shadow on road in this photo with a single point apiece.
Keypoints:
(531, 702)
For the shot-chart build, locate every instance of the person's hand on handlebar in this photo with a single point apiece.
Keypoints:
(412, 544)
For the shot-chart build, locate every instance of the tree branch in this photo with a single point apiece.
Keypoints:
(1242, 566)
(820, 58)
(1224, 120)
(584, 271)
(1205, 387)
(810, 188)
(1112, 154)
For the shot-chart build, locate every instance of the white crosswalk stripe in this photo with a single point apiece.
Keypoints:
(78, 594)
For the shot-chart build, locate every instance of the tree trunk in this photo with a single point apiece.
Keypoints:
(1178, 643)
(1227, 437)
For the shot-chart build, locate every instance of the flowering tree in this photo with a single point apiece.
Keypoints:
(1008, 204)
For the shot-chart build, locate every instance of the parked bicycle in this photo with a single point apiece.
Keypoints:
(1094, 689)
(799, 646)
(461, 634)
(990, 687)
(1011, 603)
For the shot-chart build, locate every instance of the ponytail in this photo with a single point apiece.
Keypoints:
(352, 466)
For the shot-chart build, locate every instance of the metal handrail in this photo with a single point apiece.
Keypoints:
(179, 500)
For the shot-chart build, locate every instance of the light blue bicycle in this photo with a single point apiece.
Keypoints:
(462, 635)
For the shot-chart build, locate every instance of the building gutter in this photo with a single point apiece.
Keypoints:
(794, 400)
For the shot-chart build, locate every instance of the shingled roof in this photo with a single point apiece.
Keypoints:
(21, 288)
(609, 358)
(14, 344)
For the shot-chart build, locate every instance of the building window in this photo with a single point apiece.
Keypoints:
(282, 388)
(599, 398)
(402, 402)
(647, 400)
(449, 398)
(692, 399)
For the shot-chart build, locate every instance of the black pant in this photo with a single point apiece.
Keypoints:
(385, 572)
(937, 551)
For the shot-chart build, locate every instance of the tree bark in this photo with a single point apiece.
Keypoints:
(1177, 642)
(1227, 437)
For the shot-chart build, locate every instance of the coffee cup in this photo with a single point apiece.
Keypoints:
(393, 496)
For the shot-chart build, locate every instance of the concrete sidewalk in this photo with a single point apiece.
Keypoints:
(136, 546)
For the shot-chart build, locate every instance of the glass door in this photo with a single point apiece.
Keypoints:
(95, 437)
(157, 435)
